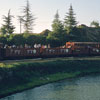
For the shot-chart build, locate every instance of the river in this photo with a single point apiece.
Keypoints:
(83, 88)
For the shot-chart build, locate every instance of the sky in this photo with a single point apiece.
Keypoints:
(44, 10)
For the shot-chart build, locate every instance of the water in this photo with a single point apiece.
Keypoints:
(84, 88)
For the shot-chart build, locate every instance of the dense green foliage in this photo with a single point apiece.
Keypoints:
(22, 39)
(81, 33)
(21, 76)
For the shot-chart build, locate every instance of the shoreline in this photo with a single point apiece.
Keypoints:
(44, 83)
(31, 75)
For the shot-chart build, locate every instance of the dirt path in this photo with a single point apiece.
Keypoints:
(49, 59)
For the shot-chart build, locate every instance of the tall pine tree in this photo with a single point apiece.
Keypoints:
(57, 36)
(57, 25)
(70, 20)
(7, 28)
(28, 18)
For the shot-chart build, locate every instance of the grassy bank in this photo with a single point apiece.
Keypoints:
(16, 77)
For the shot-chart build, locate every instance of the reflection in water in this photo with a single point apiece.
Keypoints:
(84, 88)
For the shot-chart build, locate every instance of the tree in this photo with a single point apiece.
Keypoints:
(94, 24)
(70, 20)
(28, 18)
(3, 39)
(45, 32)
(30, 39)
(16, 39)
(57, 25)
(7, 28)
(57, 36)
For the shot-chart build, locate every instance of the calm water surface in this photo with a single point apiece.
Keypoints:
(84, 88)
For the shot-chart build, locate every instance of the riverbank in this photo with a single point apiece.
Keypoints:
(16, 77)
